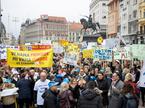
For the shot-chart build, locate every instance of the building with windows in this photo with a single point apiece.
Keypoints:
(46, 28)
(99, 12)
(113, 18)
(129, 20)
(132, 20)
(74, 31)
(3, 33)
(123, 10)
(141, 22)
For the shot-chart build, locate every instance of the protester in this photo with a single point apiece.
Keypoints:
(50, 96)
(130, 80)
(118, 68)
(74, 88)
(25, 94)
(40, 86)
(142, 90)
(103, 85)
(66, 96)
(8, 101)
(89, 98)
(115, 90)
(128, 100)
(82, 74)
(136, 72)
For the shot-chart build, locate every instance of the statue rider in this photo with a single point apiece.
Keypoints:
(90, 22)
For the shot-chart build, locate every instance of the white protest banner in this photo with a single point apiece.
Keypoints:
(142, 76)
(71, 58)
(58, 49)
(3, 51)
(103, 54)
(123, 53)
(111, 43)
(9, 92)
(138, 51)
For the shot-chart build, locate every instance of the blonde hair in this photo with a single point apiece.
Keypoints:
(126, 70)
(64, 87)
(128, 77)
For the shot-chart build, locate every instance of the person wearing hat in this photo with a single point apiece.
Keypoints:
(50, 96)
(118, 68)
(115, 91)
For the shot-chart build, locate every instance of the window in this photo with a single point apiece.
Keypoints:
(103, 4)
(134, 13)
(93, 16)
(142, 40)
(134, 2)
(129, 17)
(141, 29)
(144, 14)
(144, 29)
(104, 17)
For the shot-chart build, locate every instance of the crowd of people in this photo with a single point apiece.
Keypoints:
(88, 85)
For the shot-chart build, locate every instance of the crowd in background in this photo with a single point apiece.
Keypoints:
(88, 85)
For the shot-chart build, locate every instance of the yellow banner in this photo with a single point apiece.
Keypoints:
(39, 58)
(88, 53)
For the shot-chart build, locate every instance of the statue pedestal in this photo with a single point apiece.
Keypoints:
(93, 37)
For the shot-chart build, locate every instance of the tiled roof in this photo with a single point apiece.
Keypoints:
(57, 19)
(75, 26)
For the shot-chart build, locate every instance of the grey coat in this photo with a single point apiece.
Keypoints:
(114, 94)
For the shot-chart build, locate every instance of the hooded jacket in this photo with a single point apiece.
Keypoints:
(129, 101)
(90, 99)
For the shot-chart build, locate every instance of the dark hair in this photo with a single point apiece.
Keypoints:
(117, 73)
(1, 80)
(101, 73)
(91, 84)
(127, 89)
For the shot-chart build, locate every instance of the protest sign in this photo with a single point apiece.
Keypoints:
(142, 76)
(9, 92)
(63, 43)
(41, 47)
(103, 54)
(3, 51)
(72, 48)
(88, 53)
(40, 58)
(71, 58)
(57, 48)
(138, 51)
(34, 47)
(123, 53)
(111, 43)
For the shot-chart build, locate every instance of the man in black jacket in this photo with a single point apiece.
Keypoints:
(50, 96)
(25, 94)
(89, 98)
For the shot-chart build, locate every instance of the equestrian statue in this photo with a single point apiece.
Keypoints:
(89, 24)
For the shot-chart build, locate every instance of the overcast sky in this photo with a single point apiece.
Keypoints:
(23, 9)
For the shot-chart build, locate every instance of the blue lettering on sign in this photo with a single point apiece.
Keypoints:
(103, 54)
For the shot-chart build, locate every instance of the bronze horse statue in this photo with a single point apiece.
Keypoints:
(87, 25)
